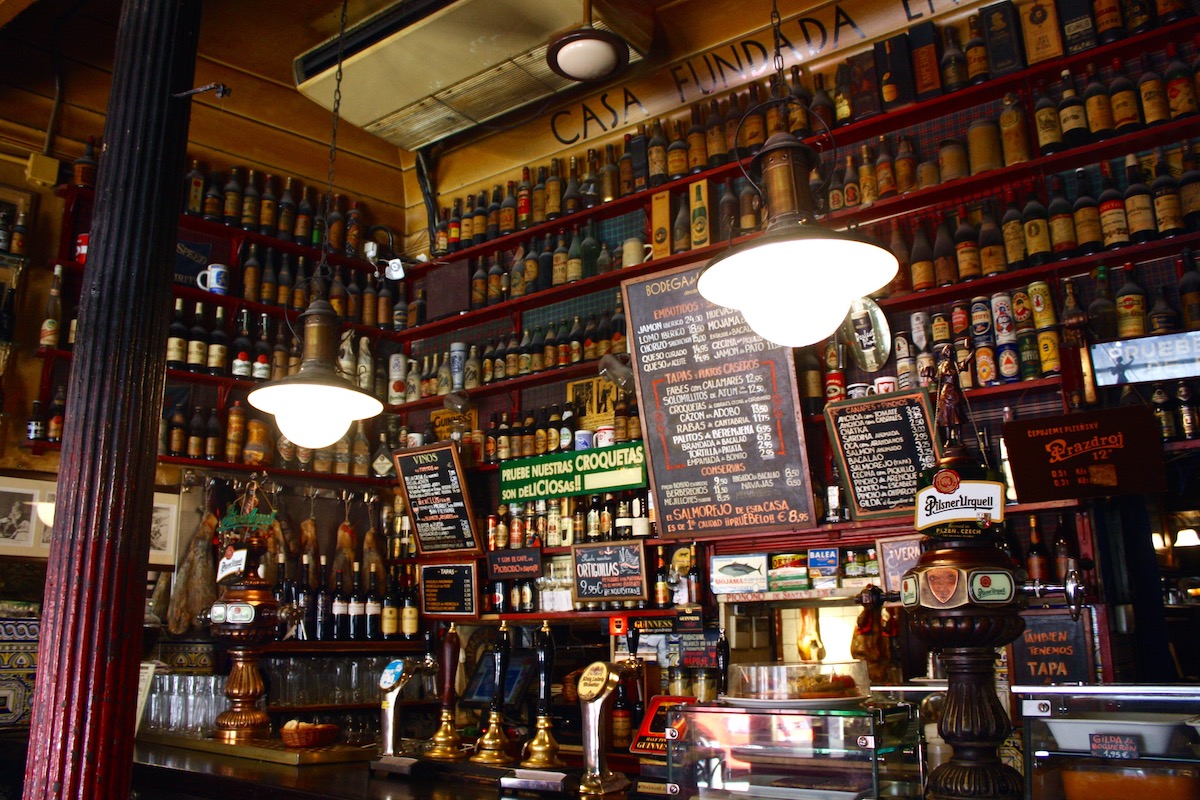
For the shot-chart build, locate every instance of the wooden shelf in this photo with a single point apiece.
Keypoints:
(791, 595)
(568, 616)
(294, 648)
(520, 383)
(1188, 446)
(1053, 383)
(39, 448)
(277, 473)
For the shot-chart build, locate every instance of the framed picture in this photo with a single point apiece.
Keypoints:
(21, 526)
(12, 202)
(164, 523)
(897, 555)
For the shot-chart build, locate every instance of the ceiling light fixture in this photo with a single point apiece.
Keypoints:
(794, 284)
(1187, 538)
(314, 407)
(587, 53)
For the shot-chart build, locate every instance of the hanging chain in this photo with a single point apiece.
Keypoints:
(322, 269)
(778, 83)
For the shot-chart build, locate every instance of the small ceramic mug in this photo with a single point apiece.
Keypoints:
(884, 384)
(857, 391)
(215, 279)
(634, 251)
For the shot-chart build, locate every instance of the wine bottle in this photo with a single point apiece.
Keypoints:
(921, 260)
(1013, 230)
(1139, 205)
(1062, 221)
(1153, 93)
(1089, 236)
(1131, 306)
(1046, 122)
(1181, 89)
(197, 342)
(966, 248)
(1167, 204)
(1102, 311)
(1036, 222)
(1072, 117)
(1189, 290)
(1098, 106)
(1124, 99)
(1113, 223)
(978, 65)
(1037, 557)
(177, 338)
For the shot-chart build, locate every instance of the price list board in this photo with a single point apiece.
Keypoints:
(724, 436)
(431, 480)
(449, 590)
(881, 444)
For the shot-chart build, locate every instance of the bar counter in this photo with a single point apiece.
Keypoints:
(173, 773)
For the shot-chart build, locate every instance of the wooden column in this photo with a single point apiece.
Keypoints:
(81, 741)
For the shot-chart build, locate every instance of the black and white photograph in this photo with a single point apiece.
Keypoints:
(19, 527)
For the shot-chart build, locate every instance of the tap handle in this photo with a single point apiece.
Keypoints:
(545, 656)
(874, 597)
(1074, 590)
(501, 652)
(450, 653)
(632, 635)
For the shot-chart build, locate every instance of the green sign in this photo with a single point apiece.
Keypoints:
(601, 469)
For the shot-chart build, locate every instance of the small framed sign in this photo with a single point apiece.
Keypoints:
(608, 571)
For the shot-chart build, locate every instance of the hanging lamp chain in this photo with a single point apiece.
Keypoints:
(779, 83)
(322, 269)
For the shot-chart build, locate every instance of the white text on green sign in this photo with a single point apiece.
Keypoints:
(603, 469)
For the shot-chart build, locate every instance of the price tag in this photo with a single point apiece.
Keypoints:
(1114, 745)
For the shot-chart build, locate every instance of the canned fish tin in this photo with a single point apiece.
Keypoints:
(962, 354)
(1027, 352)
(1047, 339)
(985, 365)
(981, 320)
(1002, 319)
(1043, 305)
(1008, 362)
(902, 346)
(918, 322)
(952, 160)
(940, 327)
(960, 320)
(926, 365)
(1022, 309)
(906, 373)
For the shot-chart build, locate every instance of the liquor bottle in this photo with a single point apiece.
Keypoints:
(410, 620)
(837, 194)
(733, 118)
(1167, 204)
(656, 155)
(822, 104)
(1102, 311)
(324, 625)
(1189, 192)
(851, 190)
(1139, 204)
(677, 154)
(1187, 417)
(1189, 290)
(1072, 117)
(921, 260)
(268, 286)
(1162, 318)
(812, 391)
(1114, 225)
(619, 344)
(197, 342)
(231, 194)
(524, 197)
(1047, 123)
(214, 437)
(1153, 93)
(554, 192)
(799, 123)
(212, 199)
(663, 597)
(1037, 556)
(260, 366)
(681, 230)
(251, 202)
(177, 338)
(979, 68)
(992, 256)
(36, 427)
(1163, 407)
(340, 608)
(268, 208)
(607, 182)
(955, 75)
(966, 248)
(1098, 106)
(1131, 306)
(906, 166)
(902, 283)
(1181, 89)
(416, 310)
(885, 173)
(625, 170)
(589, 248)
(1062, 221)
(507, 212)
(56, 414)
(1036, 222)
(868, 186)
(1110, 24)
(1125, 101)
(1089, 236)
(843, 100)
(281, 591)
(621, 719)
(193, 192)
(1139, 15)
(727, 212)
(589, 185)
(251, 275)
(372, 609)
(49, 334)
(1012, 228)
(356, 607)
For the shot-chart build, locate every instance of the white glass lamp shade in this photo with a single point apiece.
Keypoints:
(1187, 538)
(794, 285)
(588, 54)
(313, 414)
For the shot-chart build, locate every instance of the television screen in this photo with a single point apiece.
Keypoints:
(522, 670)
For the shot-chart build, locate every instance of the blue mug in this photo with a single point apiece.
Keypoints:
(215, 279)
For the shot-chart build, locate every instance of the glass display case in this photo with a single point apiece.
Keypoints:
(793, 749)
(1110, 742)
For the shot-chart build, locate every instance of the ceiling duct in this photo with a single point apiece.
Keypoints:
(422, 70)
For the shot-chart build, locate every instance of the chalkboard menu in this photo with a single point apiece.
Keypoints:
(1053, 648)
(881, 443)
(431, 480)
(608, 571)
(721, 412)
(449, 590)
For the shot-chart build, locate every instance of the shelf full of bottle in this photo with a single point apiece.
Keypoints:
(665, 152)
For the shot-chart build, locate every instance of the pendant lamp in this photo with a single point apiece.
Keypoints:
(587, 53)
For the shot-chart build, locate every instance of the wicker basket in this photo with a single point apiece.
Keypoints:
(311, 736)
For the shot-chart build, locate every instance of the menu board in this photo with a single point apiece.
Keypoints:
(608, 571)
(1053, 648)
(431, 480)
(881, 443)
(721, 412)
(449, 590)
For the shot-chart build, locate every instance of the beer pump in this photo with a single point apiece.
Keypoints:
(541, 752)
(597, 686)
(445, 744)
(492, 747)
(395, 677)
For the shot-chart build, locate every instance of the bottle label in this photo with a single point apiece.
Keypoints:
(977, 62)
(1113, 223)
(1014, 241)
(1099, 113)
(176, 346)
(508, 219)
(677, 161)
(1168, 212)
(1189, 198)
(409, 620)
(197, 352)
(233, 206)
(1087, 225)
(374, 608)
(553, 199)
(885, 179)
(969, 263)
(1048, 130)
(1154, 102)
(1037, 237)
(389, 621)
(1181, 96)
(1062, 233)
(922, 275)
(868, 189)
(1140, 214)
(1131, 316)
(1108, 15)
(993, 260)
(355, 608)
(1125, 108)
(837, 201)
(340, 609)
(657, 159)
(852, 195)
(1071, 118)
(261, 369)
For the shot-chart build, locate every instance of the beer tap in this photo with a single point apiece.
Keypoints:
(636, 673)
(1072, 589)
(395, 677)
(597, 686)
(541, 752)
(446, 744)
(492, 747)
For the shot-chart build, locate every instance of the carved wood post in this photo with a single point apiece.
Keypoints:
(81, 741)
